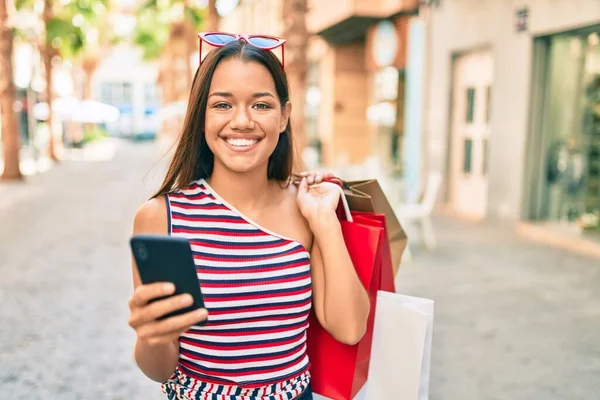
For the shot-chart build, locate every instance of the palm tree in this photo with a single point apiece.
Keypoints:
(166, 31)
(10, 133)
(99, 40)
(212, 24)
(48, 53)
(66, 26)
(296, 65)
(65, 36)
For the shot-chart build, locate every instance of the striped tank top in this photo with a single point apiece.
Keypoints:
(257, 290)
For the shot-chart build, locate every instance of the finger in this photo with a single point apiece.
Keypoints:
(173, 325)
(311, 179)
(318, 178)
(144, 293)
(157, 309)
(164, 339)
(303, 187)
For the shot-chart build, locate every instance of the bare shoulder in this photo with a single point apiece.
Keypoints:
(290, 196)
(300, 224)
(152, 217)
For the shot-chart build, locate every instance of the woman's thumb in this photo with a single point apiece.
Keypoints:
(303, 187)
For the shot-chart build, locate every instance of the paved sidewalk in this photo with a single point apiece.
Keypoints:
(514, 320)
(66, 279)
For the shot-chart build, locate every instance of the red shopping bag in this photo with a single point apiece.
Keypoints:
(339, 371)
(387, 274)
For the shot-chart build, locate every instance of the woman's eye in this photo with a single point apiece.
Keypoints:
(222, 106)
(262, 106)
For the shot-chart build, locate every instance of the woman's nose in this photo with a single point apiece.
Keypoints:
(241, 120)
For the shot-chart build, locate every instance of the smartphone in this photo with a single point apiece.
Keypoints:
(162, 258)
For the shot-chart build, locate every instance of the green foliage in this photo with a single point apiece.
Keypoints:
(114, 40)
(20, 34)
(64, 36)
(196, 15)
(72, 20)
(150, 34)
(151, 5)
(154, 18)
(23, 4)
(68, 30)
(93, 133)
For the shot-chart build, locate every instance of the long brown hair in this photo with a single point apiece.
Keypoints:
(193, 159)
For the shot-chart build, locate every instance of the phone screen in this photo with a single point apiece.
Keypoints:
(162, 258)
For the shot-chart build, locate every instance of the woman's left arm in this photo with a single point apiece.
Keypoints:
(340, 300)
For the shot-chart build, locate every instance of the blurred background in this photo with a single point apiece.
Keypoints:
(479, 118)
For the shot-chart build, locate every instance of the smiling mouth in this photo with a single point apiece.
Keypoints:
(241, 143)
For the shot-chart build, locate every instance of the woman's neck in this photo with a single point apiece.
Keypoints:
(246, 191)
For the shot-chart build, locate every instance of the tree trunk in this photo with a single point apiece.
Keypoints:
(189, 50)
(87, 84)
(88, 65)
(296, 65)
(213, 17)
(47, 60)
(47, 53)
(11, 141)
(189, 34)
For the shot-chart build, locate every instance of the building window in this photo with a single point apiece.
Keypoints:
(116, 93)
(127, 92)
(468, 156)
(150, 93)
(570, 158)
(105, 93)
(470, 104)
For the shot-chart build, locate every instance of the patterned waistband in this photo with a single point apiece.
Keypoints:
(184, 387)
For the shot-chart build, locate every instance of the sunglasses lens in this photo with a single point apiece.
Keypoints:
(260, 41)
(219, 38)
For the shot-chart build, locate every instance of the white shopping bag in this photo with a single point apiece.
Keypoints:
(401, 351)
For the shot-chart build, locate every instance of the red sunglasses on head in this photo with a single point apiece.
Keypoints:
(220, 39)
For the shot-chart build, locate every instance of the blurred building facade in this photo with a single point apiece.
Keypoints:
(513, 108)
(122, 78)
(133, 90)
(356, 79)
(361, 68)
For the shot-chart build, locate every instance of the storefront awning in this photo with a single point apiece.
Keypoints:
(354, 26)
(348, 30)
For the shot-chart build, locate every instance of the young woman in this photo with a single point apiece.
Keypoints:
(265, 250)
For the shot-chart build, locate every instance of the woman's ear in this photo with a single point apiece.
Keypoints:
(286, 111)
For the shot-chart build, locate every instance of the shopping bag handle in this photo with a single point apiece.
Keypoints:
(339, 184)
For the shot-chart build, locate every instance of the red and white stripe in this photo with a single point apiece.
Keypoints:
(257, 289)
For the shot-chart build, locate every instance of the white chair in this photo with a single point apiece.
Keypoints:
(421, 212)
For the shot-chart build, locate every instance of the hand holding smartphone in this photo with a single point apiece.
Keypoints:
(169, 301)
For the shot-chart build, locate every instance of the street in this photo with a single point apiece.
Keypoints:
(513, 319)
(66, 279)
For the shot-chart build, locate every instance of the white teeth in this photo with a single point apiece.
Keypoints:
(241, 142)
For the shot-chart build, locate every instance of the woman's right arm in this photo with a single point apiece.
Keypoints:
(157, 343)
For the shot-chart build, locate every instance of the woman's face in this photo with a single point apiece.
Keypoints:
(244, 116)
